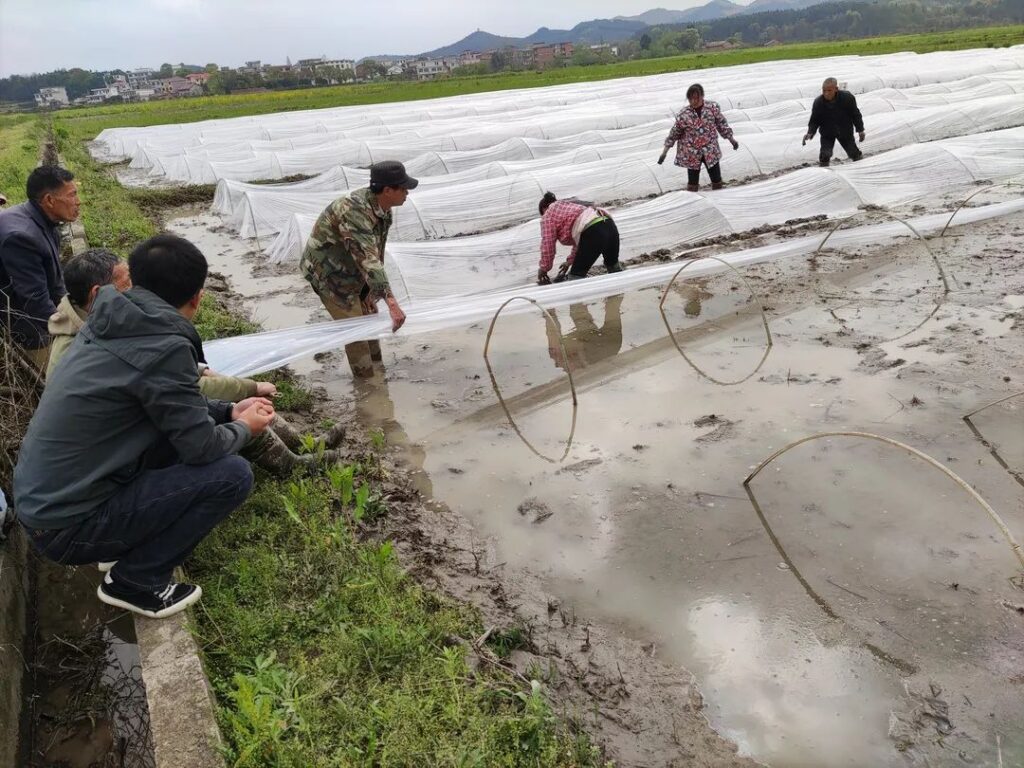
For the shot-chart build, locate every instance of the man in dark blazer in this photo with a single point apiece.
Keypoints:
(31, 280)
(835, 115)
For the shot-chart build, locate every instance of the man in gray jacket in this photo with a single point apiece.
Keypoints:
(124, 459)
(31, 283)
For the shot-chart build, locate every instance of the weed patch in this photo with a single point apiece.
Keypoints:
(368, 668)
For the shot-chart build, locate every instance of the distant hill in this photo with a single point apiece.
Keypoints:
(587, 32)
(717, 9)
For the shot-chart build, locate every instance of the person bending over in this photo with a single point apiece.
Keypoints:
(589, 230)
(125, 460)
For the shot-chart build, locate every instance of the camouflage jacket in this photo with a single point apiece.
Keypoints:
(344, 256)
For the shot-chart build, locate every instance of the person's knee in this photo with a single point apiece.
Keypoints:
(237, 476)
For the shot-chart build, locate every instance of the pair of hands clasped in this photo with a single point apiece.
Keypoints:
(255, 412)
(808, 137)
(664, 154)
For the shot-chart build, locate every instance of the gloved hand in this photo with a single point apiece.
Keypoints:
(735, 144)
(562, 272)
(807, 137)
(662, 158)
(542, 278)
(860, 135)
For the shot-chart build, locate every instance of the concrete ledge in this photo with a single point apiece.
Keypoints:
(181, 719)
(13, 602)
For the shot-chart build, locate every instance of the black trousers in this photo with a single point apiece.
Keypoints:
(828, 143)
(601, 239)
(714, 172)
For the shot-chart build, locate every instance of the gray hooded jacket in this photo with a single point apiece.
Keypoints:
(127, 385)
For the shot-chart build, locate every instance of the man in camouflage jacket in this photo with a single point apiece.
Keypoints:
(344, 257)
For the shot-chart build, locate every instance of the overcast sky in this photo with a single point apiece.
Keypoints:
(42, 35)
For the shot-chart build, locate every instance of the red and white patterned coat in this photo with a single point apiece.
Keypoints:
(697, 136)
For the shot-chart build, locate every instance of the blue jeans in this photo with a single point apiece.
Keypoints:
(152, 524)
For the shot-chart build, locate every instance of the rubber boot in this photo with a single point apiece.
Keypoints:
(717, 184)
(692, 187)
(616, 267)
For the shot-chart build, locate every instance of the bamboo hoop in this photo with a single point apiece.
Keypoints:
(970, 196)
(946, 290)
(991, 448)
(1007, 534)
(760, 306)
(568, 372)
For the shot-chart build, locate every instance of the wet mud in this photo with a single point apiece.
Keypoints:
(855, 608)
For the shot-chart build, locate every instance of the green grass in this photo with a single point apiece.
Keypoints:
(20, 139)
(323, 653)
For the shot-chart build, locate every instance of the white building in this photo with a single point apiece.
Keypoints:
(52, 97)
(339, 63)
(139, 78)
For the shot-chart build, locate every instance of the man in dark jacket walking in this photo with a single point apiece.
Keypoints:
(31, 283)
(124, 459)
(835, 115)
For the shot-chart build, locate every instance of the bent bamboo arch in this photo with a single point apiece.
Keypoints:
(1007, 534)
(754, 295)
(991, 448)
(946, 290)
(970, 196)
(568, 372)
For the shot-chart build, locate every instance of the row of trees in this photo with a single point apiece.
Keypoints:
(829, 21)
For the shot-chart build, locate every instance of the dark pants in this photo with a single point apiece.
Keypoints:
(714, 173)
(601, 239)
(152, 524)
(828, 143)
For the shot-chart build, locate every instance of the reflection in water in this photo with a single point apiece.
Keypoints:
(693, 294)
(375, 406)
(764, 674)
(587, 343)
(550, 321)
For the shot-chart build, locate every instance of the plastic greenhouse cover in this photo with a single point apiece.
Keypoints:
(256, 353)
(494, 141)
(593, 145)
(458, 204)
(612, 104)
(478, 263)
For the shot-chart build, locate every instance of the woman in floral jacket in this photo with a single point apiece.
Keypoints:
(696, 131)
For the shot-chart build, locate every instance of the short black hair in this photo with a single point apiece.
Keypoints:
(169, 266)
(547, 200)
(695, 88)
(46, 178)
(92, 267)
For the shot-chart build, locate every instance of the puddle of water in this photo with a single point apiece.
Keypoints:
(652, 532)
(85, 698)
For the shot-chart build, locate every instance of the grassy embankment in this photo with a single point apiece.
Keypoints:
(320, 650)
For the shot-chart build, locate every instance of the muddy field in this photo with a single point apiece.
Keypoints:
(856, 607)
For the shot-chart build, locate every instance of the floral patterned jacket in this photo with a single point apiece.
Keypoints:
(697, 136)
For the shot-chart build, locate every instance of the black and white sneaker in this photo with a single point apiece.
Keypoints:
(156, 604)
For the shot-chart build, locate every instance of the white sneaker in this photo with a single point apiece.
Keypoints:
(106, 566)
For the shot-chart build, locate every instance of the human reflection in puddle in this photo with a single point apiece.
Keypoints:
(586, 344)
(692, 293)
(376, 409)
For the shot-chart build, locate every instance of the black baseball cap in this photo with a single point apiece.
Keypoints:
(391, 173)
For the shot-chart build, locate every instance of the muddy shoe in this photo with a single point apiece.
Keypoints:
(315, 460)
(156, 604)
(616, 267)
(335, 436)
(105, 566)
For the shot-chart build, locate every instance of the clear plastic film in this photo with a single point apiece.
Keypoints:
(256, 353)
(477, 264)
(505, 193)
(248, 148)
